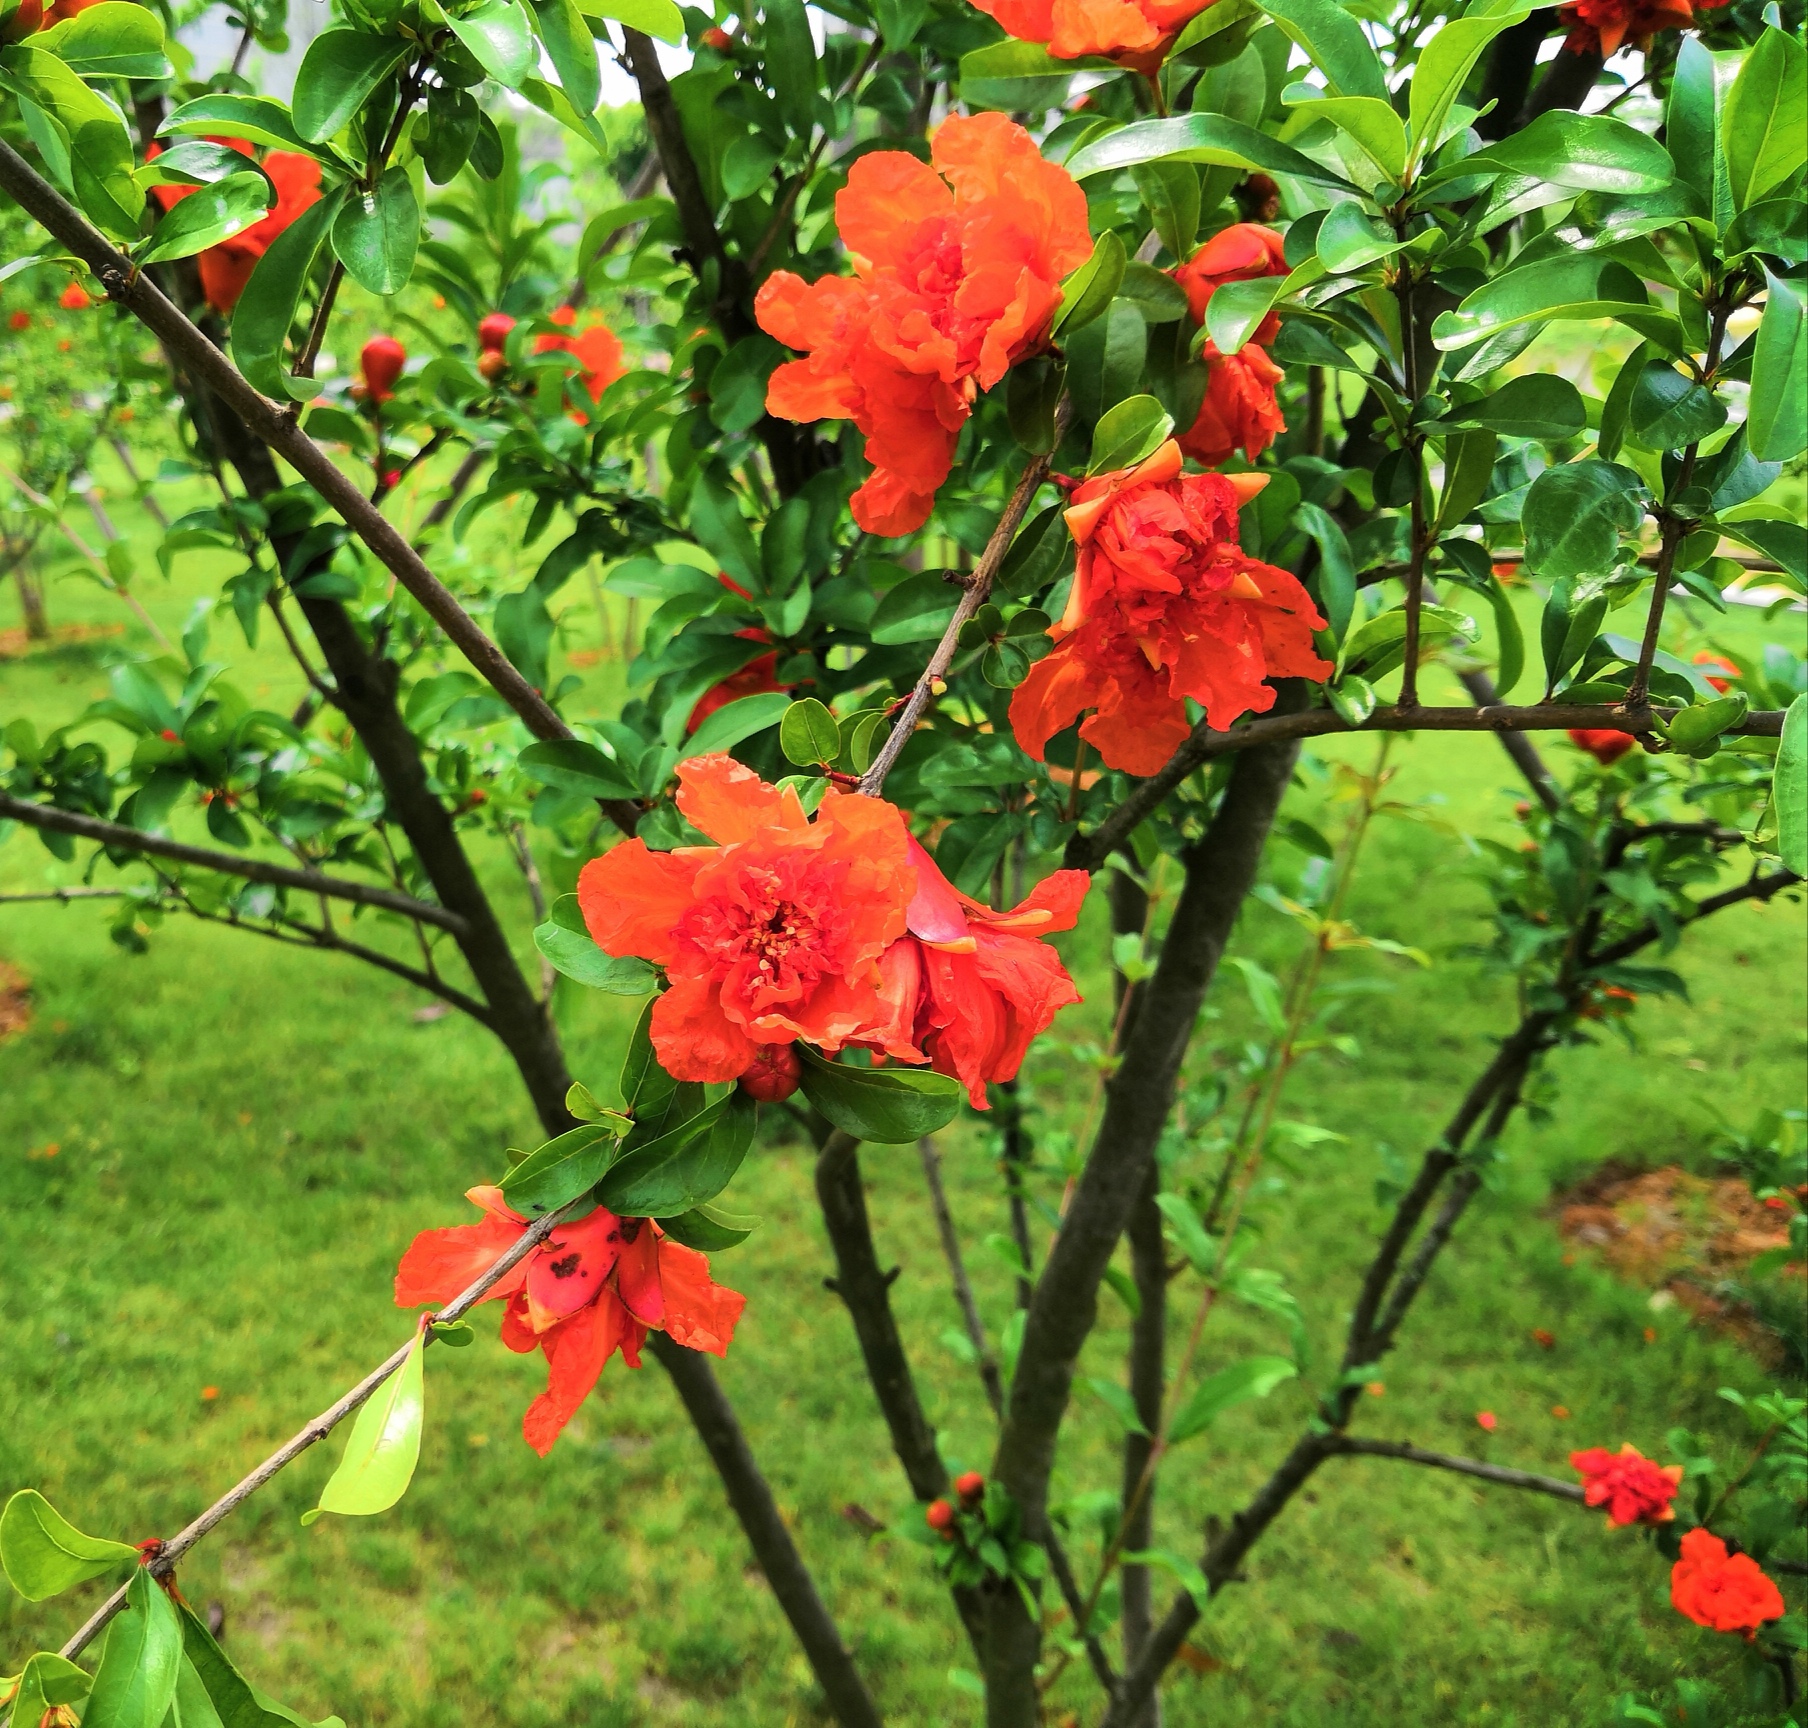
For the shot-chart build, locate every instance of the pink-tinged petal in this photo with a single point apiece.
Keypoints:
(699, 1313)
(1053, 904)
(637, 1275)
(575, 1354)
(442, 1264)
(571, 1267)
(935, 912)
(730, 802)
(632, 899)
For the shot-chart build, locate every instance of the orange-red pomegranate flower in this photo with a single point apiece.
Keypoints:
(958, 269)
(1240, 253)
(1134, 33)
(1634, 1489)
(1606, 746)
(1240, 411)
(596, 1285)
(596, 348)
(967, 987)
(772, 934)
(1724, 1592)
(1603, 26)
(1165, 605)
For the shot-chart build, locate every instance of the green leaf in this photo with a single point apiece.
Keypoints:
(384, 1447)
(1334, 41)
(917, 610)
(500, 41)
(43, 1554)
(1118, 1401)
(1371, 123)
(1199, 138)
(736, 721)
(207, 215)
(376, 233)
(1255, 1377)
(1154, 293)
(1468, 468)
(1379, 644)
(1692, 132)
(1669, 410)
(555, 1174)
(1539, 405)
(1574, 514)
(1170, 193)
(1764, 130)
(1189, 1233)
(1349, 237)
(1512, 639)
(112, 40)
(1236, 308)
(1702, 722)
(1789, 789)
(1443, 67)
(1587, 152)
(573, 765)
(136, 1679)
(260, 119)
(1186, 1572)
(579, 958)
(1014, 76)
(1089, 290)
(572, 50)
(808, 734)
(191, 1707)
(1127, 432)
(340, 69)
(889, 1105)
(684, 1168)
(657, 18)
(790, 62)
(709, 1228)
(1569, 288)
(46, 1680)
(1777, 419)
(266, 310)
(1784, 542)
(239, 1704)
(721, 529)
(100, 152)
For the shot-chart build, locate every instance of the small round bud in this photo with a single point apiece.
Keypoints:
(493, 331)
(492, 363)
(774, 1074)
(939, 1515)
(970, 1485)
(717, 38)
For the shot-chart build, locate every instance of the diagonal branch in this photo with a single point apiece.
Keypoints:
(1353, 1446)
(115, 834)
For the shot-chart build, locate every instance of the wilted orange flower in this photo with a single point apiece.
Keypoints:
(596, 348)
(596, 1285)
(1240, 410)
(967, 987)
(1134, 33)
(1724, 1592)
(1240, 253)
(1633, 1488)
(770, 935)
(1165, 605)
(958, 269)
(227, 267)
(1606, 746)
(1602, 26)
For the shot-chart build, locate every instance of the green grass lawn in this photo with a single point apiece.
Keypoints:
(246, 1137)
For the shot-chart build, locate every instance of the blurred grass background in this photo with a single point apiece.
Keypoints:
(212, 1154)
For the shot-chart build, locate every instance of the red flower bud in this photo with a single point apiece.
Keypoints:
(939, 1515)
(775, 1073)
(970, 1485)
(492, 363)
(493, 331)
(717, 38)
(168, 736)
(21, 20)
(20, 321)
(381, 364)
(392, 478)
(1604, 744)
(75, 298)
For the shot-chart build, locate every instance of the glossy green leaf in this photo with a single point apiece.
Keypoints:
(1374, 126)
(1568, 288)
(192, 1707)
(657, 18)
(207, 216)
(43, 1554)
(136, 1679)
(46, 1680)
(889, 1105)
(572, 50)
(1444, 65)
(1335, 579)
(1154, 293)
(737, 721)
(99, 148)
(1013, 77)
(1199, 138)
(574, 765)
(709, 1228)
(376, 233)
(239, 1704)
(555, 1174)
(384, 1447)
(1785, 542)
(1106, 361)
(116, 39)
(1089, 290)
(1587, 152)
(1574, 515)
(1789, 790)
(1236, 308)
(1764, 129)
(266, 310)
(917, 610)
(499, 39)
(1511, 661)
(1118, 1401)
(684, 1168)
(340, 69)
(1378, 645)
(1349, 238)
(1255, 1377)
(808, 734)
(1669, 409)
(1539, 405)
(1777, 418)
(579, 958)
(790, 63)
(1170, 193)
(261, 119)
(1468, 468)
(1127, 432)
(1186, 1572)
(1334, 41)
(1692, 130)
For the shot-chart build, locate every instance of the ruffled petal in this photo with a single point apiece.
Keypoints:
(700, 1314)
(730, 802)
(575, 1354)
(889, 195)
(694, 1039)
(632, 898)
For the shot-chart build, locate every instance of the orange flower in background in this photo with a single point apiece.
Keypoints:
(1724, 1592)
(1134, 33)
(757, 678)
(1607, 747)
(1604, 26)
(1165, 605)
(968, 988)
(75, 298)
(227, 267)
(1633, 1488)
(1243, 252)
(1718, 672)
(596, 1285)
(772, 934)
(596, 348)
(958, 269)
(1240, 411)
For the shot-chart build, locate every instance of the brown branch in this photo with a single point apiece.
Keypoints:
(1759, 888)
(979, 588)
(115, 834)
(1351, 1446)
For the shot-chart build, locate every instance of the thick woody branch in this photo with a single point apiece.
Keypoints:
(1088, 851)
(978, 591)
(187, 345)
(117, 835)
(1351, 1446)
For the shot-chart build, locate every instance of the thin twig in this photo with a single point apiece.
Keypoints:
(957, 1270)
(1355, 1447)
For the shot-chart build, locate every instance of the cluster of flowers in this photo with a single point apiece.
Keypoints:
(1724, 1591)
